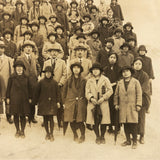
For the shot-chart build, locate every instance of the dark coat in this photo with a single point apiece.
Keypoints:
(47, 97)
(144, 81)
(104, 33)
(133, 51)
(113, 76)
(117, 12)
(102, 57)
(10, 49)
(70, 93)
(19, 91)
(147, 66)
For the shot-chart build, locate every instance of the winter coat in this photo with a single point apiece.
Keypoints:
(16, 16)
(55, 45)
(102, 57)
(117, 12)
(18, 91)
(118, 42)
(43, 30)
(95, 46)
(125, 59)
(10, 49)
(86, 64)
(128, 100)
(74, 100)
(47, 97)
(147, 66)
(104, 33)
(60, 71)
(6, 25)
(19, 31)
(133, 51)
(104, 89)
(95, 19)
(6, 69)
(33, 14)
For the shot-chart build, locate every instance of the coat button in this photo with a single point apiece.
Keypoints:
(49, 98)
(76, 98)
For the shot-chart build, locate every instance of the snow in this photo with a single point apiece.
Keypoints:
(144, 16)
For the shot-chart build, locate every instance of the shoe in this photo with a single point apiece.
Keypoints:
(126, 143)
(103, 141)
(22, 134)
(110, 130)
(98, 140)
(47, 136)
(17, 135)
(141, 141)
(34, 120)
(82, 139)
(134, 145)
(51, 137)
(10, 121)
(75, 138)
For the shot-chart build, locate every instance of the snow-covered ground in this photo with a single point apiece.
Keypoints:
(145, 18)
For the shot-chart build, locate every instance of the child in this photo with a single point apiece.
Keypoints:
(18, 13)
(94, 44)
(133, 47)
(87, 25)
(128, 32)
(118, 40)
(147, 64)
(111, 71)
(47, 97)
(125, 58)
(75, 101)
(94, 12)
(116, 8)
(144, 81)
(128, 99)
(34, 11)
(19, 96)
(98, 91)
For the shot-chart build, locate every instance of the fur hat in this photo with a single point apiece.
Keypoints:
(142, 48)
(19, 63)
(128, 24)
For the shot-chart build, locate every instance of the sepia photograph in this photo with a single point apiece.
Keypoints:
(79, 80)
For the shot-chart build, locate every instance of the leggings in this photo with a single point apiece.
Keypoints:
(20, 119)
(48, 123)
(102, 128)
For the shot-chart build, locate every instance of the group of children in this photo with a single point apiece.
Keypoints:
(77, 62)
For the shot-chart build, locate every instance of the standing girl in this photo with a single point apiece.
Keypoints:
(75, 102)
(98, 91)
(128, 99)
(47, 97)
(18, 96)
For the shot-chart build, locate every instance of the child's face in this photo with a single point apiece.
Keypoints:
(80, 53)
(52, 38)
(96, 72)
(7, 36)
(86, 19)
(28, 49)
(78, 32)
(48, 75)
(104, 22)
(132, 43)
(95, 35)
(110, 13)
(73, 5)
(19, 70)
(126, 73)
(112, 59)
(53, 20)
(137, 65)
(2, 49)
(142, 53)
(24, 21)
(125, 48)
(109, 45)
(128, 28)
(59, 31)
(89, 2)
(34, 28)
(59, 8)
(36, 3)
(27, 37)
(118, 34)
(93, 10)
(19, 6)
(114, 1)
(76, 70)
(6, 17)
(42, 21)
(53, 54)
